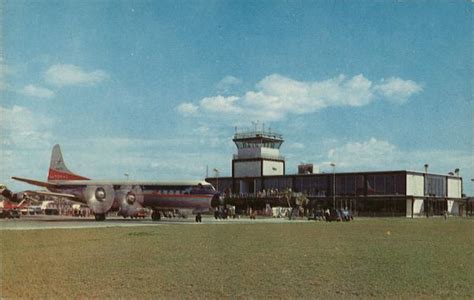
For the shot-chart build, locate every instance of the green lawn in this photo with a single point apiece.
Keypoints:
(365, 258)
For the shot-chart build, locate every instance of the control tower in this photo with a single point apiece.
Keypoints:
(258, 154)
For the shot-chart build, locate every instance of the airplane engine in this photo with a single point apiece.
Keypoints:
(130, 199)
(99, 199)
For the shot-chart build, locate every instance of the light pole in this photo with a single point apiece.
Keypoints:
(126, 175)
(333, 165)
(216, 174)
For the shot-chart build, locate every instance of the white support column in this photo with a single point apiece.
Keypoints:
(453, 208)
(409, 208)
(417, 207)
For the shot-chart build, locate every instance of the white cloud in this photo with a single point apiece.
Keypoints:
(23, 128)
(227, 83)
(397, 89)
(221, 104)
(209, 136)
(375, 154)
(276, 96)
(277, 92)
(366, 155)
(5, 70)
(203, 130)
(297, 146)
(66, 75)
(187, 109)
(37, 91)
(3, 86)
(24, 144)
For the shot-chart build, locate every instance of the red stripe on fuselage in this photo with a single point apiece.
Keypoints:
(59, 175)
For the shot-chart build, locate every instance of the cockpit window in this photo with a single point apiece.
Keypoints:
(209, 187)
(206, 187)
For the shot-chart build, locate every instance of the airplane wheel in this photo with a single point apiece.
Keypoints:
(155, 216)
(100, 217)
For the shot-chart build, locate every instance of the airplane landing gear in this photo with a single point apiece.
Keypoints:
(100, 217)
(156, 215)
(198, 218)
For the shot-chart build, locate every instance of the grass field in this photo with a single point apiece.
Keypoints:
(365, 258)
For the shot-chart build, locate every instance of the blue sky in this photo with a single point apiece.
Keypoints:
(155, 88)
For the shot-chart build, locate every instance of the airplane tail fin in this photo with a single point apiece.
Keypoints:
(57, 168)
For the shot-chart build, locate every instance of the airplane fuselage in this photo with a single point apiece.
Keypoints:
(156, 195)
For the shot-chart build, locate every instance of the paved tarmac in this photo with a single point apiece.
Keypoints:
(66, 222)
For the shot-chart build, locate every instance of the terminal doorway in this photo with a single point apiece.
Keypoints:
(247, 186)
(435, 207)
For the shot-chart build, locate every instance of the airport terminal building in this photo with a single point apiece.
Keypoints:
(258, 171)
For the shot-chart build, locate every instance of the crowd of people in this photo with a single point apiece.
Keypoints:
(329, 215)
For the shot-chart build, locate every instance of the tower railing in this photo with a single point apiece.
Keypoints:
(267, 156)
(258, 133)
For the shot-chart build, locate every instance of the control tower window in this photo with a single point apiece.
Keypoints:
(258, 139)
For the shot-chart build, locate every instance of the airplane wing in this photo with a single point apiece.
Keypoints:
(35, 182)
(46, 193)
(46, 185)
